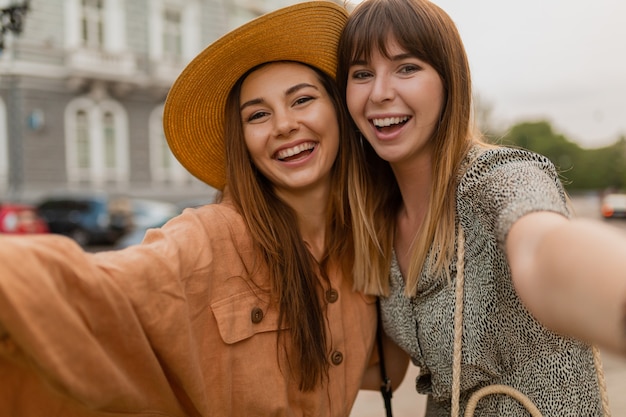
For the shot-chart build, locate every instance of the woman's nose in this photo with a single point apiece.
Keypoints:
(382, 90)
(285, 123)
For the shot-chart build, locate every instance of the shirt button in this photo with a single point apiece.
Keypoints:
(257, 315)
(336, 357)
(332, 295)
(7, 345)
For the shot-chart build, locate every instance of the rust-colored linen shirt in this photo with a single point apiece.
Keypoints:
(180, 325)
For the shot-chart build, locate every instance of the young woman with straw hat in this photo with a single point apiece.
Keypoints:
(497, 293)
(244, 307)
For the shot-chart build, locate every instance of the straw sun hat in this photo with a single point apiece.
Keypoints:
(193, 117)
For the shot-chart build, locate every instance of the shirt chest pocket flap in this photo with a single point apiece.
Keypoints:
(243, 315)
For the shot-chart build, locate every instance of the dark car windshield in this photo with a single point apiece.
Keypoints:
(65, 205)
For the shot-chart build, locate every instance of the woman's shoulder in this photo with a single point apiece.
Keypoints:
(218, 216)
(500, 184)
(485, 164)
(223, 211)
(214, 212)
(204, 224)
(482, 159)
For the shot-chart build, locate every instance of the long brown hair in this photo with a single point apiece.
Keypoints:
(427, 32)
(293, 271)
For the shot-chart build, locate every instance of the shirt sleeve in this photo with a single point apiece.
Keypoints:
(504, 184)
(110, 330)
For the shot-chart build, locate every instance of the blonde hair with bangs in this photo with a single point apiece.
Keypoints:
(427, 32)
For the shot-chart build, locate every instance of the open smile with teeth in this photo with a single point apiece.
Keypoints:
(295, 152)
(389, 121)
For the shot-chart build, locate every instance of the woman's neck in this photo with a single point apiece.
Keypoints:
(311, 207)
(414, 180)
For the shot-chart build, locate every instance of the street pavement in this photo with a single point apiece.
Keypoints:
(407, 403)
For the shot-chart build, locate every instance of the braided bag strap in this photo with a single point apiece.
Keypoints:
(494, 389)
(597, 361)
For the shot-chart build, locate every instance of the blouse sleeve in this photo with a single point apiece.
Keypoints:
(111, 330)
(504, 184)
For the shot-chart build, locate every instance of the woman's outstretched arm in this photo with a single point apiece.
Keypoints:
(571, 275)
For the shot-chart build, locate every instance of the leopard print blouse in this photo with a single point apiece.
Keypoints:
(502, 342)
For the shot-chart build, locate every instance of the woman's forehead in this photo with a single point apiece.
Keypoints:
(386, 44)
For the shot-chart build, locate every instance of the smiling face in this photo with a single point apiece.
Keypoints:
(395, 102)
(290, 126)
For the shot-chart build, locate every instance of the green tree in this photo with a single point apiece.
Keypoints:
(581, 169)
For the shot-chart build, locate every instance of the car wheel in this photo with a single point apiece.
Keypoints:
(80, 236)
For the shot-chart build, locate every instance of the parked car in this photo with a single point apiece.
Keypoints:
(613, 206)
(147, 214)
(135, 236)
(17, 218)
(96, 218)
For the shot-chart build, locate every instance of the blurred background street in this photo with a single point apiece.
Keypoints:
(83, 84)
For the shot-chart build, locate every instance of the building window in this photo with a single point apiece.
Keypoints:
(164, 167)
(172, 35)
(175, 31)
(108, 122)
(93, 27)
(166, 161)
(83, 159)
(96, 142)
(4, 148)
(92, 23)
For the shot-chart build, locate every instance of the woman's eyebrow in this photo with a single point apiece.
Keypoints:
(289, 91)
(297, 87)
(359, 61)
(397, 57)
(251, 103)
(400, 57)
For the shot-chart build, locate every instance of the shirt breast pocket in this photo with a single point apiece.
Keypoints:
(243, 315)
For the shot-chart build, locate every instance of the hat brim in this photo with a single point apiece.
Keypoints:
(193, 117)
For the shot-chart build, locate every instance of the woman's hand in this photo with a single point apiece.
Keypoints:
(396, 365)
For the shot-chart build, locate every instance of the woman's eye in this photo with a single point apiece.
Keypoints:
(360, 75)
(303, 100)
(409, 68)
(256, 115)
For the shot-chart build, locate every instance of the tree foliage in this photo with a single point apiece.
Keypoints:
(581, 169)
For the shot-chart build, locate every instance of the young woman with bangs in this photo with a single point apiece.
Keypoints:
(486, 278)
